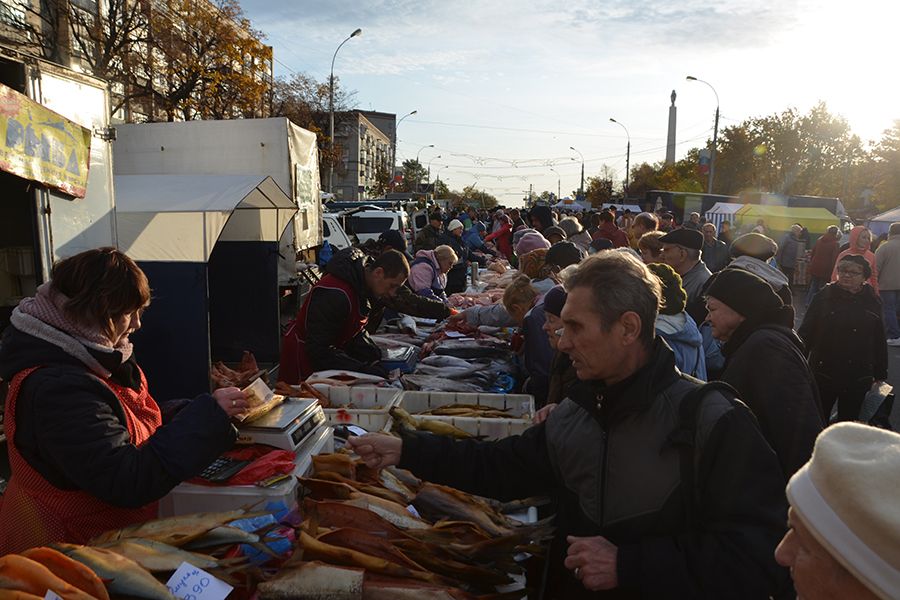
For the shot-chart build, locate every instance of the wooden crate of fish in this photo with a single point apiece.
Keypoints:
(489, 416)
(365, 406)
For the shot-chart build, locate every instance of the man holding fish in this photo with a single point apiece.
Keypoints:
(661, 490)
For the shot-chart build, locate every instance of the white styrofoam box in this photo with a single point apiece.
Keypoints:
(519, 405)
(188, 498)
(370, 405)
(521, 411)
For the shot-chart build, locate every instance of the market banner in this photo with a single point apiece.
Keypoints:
(41, 145)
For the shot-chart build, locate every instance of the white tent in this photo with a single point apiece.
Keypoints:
(179, 218)
(722, 211)
(570, 204)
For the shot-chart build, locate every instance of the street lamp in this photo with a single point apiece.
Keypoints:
(627, 153)
(437, 176)
(396, 126)
(712, 158)
(331, 108)
(581, 188)
(429, 166)
(418, 154)
(558, 184)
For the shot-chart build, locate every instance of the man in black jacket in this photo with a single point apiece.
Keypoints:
(642, 512)
(331, 328)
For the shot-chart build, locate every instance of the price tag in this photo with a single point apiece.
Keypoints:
(191, 583)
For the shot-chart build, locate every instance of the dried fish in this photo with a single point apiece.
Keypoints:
(314, 581)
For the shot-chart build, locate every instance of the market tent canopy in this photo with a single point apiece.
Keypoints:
(722, 211)
(179, 218)
(780, 218)
(570, 204)
(880, 224)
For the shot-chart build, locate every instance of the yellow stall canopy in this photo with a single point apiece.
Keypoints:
(780, 218)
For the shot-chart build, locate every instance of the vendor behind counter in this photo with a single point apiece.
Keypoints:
(90, 449)
(331, 329)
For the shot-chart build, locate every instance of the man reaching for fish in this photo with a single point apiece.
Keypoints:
(661, 491)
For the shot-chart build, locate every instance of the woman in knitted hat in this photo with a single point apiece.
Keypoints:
(764, 362)
(752, 252)
(676, 326)
(844, 336)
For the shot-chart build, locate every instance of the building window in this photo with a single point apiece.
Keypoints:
(12, 12)
(86, 5)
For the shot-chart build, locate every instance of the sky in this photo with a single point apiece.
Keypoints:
(503, 89)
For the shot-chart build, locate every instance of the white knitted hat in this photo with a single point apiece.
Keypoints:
(848, 495)
(454, 224)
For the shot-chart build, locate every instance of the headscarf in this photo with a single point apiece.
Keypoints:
(532, 263)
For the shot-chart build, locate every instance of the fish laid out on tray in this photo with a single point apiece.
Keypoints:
(404, 421)
(471, 410)
(360, 539)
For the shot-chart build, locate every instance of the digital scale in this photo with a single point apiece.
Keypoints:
(286, 426)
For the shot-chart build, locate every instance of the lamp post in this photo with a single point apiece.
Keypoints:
(627, 153)
(712, 158)
(418, 154)
(394, 158)
(437, 176)
(558, 184)
(331, 109)
(428, 179)
(581, 187)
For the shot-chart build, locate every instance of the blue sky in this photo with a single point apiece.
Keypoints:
(504, 88)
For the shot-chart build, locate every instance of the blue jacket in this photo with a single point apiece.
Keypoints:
(682, 335)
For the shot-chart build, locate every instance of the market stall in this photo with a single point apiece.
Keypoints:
(881, 223)
(209, 246)
(778, 219)
(722, 211)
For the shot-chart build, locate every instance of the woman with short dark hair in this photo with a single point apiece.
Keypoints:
(844, 336)
(90, 449)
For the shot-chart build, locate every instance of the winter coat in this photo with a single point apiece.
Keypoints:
(789, 251)
(887, 262)
(583, 240)
(822, 257)
(605, 454)
(562, 378)
(682, 335)
(538, 354)
(715, 256)
(428, 239)
(473, 238)
(426, 278)
(329, 310)
(844, 335)
(504, 240)
(71, 427)
(458, 273)
(693, 283)
(867, 254)
(612, 233)
(764, 362)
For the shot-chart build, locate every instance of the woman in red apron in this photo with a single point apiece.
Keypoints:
(88, 446)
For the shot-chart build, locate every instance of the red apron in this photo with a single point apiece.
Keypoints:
(295, 363)
(35, 513)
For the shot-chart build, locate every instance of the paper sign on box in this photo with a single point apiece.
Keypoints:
(191, 583)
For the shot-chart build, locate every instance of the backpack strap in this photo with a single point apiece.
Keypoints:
(685, 438)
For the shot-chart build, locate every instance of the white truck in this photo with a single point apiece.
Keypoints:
(39, 224)
(272, 147)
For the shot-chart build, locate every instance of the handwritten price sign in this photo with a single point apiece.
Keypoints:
(191, 583)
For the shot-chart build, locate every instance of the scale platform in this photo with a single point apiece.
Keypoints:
(287, 426)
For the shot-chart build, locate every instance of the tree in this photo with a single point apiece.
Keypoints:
(305, 102)
(441, 190)
(382, 182)
(478, 198)
(886, 168)
(413, 174)
(204, 60)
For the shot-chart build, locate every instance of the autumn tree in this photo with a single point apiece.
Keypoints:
(205, 60)
(413, 174)
(478, 198)
(885, 172)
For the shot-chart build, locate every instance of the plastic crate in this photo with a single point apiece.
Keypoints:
(521, 410)
(371, 405)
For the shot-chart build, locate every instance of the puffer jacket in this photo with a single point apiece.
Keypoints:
(607, 455)
(682, 335)
(71, 427)
(844, 335)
